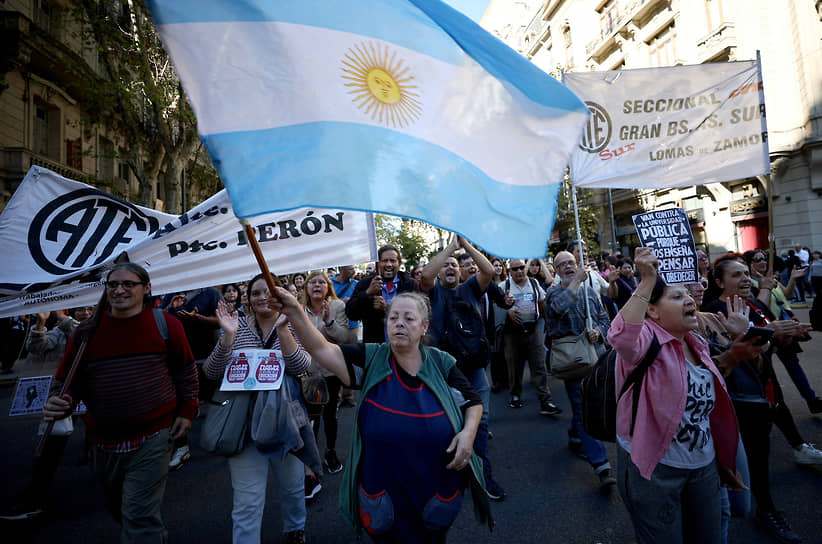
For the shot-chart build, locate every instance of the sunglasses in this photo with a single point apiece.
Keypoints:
(127, 285)
(515, 268)
(759, 259)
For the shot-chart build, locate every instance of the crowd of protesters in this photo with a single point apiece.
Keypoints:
(425, 349)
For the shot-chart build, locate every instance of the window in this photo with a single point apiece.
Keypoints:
(46, 130)
(713, 13)
(106, 156)
(662, 47)
(569, 52)
(74, 153)
(123, 170)
(608, 17)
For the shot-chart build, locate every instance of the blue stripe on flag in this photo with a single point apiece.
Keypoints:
(430, 27)
(359, 167)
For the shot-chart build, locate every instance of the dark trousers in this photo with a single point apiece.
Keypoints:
(755, 422)
(499, 369)
(330, 414)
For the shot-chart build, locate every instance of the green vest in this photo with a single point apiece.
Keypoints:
(436, 365)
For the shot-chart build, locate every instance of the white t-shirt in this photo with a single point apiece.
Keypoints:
(524, 299)
(804, 256)
(693, 445)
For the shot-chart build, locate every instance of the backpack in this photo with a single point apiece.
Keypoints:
(598, 393)
(463, 335)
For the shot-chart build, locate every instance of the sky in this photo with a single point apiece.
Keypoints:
(475, 9)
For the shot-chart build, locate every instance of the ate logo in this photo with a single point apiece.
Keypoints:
(597, 133)
(83, 228)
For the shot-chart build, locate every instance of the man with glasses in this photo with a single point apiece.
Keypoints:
(567, 316)
(523, 337)
(138, 381)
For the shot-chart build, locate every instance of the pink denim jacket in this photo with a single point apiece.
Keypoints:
(664, 393)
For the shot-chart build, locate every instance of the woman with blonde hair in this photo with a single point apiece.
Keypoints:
(327, 313)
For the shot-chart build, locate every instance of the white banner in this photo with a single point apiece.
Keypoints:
(58, 235)
(671, 127)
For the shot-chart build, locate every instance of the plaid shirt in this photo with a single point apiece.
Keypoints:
(566, 312)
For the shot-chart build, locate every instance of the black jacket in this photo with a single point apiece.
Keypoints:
(360, 307)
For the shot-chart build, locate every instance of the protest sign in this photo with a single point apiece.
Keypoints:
(31, 395)
(254, 370)
(668, 233)
(671, 126)
(63, 234)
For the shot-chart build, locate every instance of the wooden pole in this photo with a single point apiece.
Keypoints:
(258, 254)
(63, 390)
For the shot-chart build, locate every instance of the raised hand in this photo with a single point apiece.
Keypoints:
(229, 321)
(646, 263)
(737, 321)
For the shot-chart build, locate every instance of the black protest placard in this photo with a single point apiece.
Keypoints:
(668, 233)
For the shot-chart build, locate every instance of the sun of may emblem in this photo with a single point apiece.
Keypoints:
(380, 85)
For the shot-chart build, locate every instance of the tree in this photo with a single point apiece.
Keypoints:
(565, 221)
(139, 95)
(413, 238)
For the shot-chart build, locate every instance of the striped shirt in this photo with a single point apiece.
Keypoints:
(247, 338)
(133, 382)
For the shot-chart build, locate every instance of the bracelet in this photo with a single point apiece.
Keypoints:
(640, 297)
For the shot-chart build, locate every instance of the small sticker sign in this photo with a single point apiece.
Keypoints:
(31, 396)
(254, 370)
(668, 234)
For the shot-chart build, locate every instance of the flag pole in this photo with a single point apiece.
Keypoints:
(258, 254)
(767, 179)
(576, 221)
(63, 390)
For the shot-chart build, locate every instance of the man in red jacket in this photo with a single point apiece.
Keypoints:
(138, 380)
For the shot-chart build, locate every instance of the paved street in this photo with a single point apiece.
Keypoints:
(552, 495)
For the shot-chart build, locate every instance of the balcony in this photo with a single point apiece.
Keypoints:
(718, 44)
(633, 14)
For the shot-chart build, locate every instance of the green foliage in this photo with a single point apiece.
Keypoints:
(565, 222)
(410, 236)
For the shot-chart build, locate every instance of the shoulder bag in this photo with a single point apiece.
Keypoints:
(574, 356)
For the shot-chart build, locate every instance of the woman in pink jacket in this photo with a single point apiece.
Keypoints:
(685, 435)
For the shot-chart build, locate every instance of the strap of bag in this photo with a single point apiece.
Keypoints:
(637, 375)
(535, 289)
(162, 326)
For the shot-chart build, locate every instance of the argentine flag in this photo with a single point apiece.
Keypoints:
(405, 107)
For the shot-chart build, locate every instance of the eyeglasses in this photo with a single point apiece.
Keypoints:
(127, 285)
(516, 268)
(563, 264)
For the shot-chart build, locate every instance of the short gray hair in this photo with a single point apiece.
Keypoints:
(421, 301)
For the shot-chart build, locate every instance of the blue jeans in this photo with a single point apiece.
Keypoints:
(479, 380)
(736, 503)
(249, 477)
(593, 448)
(797, 374)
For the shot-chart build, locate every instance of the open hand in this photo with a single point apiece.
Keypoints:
(737, 321)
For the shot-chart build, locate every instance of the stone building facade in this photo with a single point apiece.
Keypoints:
(577, 35)
(46, 70)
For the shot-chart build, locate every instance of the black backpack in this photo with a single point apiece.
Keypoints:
(463, 335)
(598, 393)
